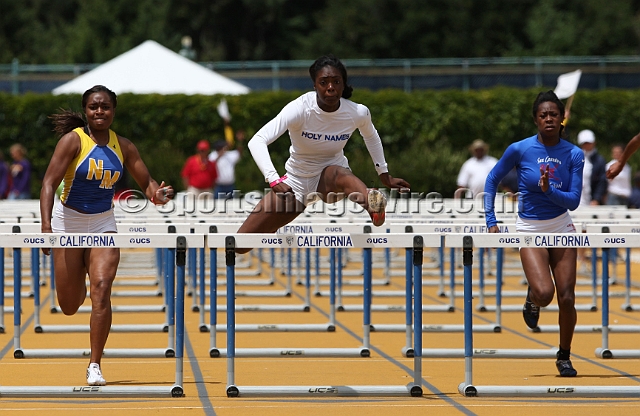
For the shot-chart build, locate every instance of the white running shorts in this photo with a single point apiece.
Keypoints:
(66, 220)
(559, 224)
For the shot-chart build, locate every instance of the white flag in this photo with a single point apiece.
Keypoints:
(223, 110)
(568, 84)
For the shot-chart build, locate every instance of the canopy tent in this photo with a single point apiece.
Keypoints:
(150, 68)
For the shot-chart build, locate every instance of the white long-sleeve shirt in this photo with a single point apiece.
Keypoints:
(317, 137)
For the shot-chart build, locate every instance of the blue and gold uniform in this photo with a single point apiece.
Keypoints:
(91, 176)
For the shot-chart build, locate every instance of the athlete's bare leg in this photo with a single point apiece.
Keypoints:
(271, 213)
(563, 265)
(70, 275)
(102, 264)
(338, 180)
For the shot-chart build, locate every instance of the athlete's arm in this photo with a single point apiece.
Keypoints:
(629, 149)
(267, 135)
(570, 199)
(66, 150)
(500, 170)
(371, 139)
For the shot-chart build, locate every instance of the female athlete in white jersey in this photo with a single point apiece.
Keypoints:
(319, 125)
(90, 158)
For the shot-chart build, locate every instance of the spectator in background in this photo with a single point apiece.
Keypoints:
(594, 182)
(20, 173)
(5, 177)
(619, 189)
(474, 171)
(226, 161)
(634, 199)
(199, 173)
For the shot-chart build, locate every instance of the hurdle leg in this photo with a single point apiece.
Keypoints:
(307, 281)
(499, 278)
(604, 352)
(366, 325)
(213, 304)
(317, 264)
(17, 304)
(339, 277)
(481, 305)
(170, 293)
(289, 273)
(441, 258)
(416, 389)
(452, 280)
(467, 261)
(332, 286)
(627, 282)
(232, 390)
(408, 351)
(177, 389)
(35, 275)
(201, 287)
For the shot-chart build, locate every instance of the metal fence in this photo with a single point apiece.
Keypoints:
(598, 72)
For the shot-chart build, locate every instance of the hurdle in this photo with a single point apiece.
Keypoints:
(9, 228)
(365, 241)
(467, 242)
(114, 240)
(213, 306)
(161, 327)
(213, 328)
(618, 230)
(604, 351)
(141, 229)
(178, 254)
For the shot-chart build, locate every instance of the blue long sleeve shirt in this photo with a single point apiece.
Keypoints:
(529, 156)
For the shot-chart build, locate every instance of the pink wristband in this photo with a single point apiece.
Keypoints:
(277, 181)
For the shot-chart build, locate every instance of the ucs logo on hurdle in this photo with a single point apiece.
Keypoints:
(380, 240)
(614, 240)
(325, 390)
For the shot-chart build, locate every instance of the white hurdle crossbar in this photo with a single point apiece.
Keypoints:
(365, 241)
(468, 242)
(38, 241)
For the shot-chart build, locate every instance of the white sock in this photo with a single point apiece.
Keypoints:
(94, 365)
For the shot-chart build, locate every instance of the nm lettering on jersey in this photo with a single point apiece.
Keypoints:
(91, 176)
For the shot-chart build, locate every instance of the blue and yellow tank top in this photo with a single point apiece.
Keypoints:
(91, 176)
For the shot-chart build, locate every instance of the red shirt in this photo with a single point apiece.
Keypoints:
(199, 174)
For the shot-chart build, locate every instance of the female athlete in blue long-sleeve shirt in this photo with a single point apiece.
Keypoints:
(549, 183)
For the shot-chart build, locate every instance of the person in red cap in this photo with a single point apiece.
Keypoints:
(199, 173)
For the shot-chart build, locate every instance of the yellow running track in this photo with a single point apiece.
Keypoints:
(205, 377)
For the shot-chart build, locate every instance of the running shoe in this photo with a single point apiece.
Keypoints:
(94, 375)
(530, 311)
(377, 206)
(565, 368)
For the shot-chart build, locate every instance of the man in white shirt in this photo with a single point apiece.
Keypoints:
(594, 180)
(619, 189)
(474, 171)
(226, 161)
